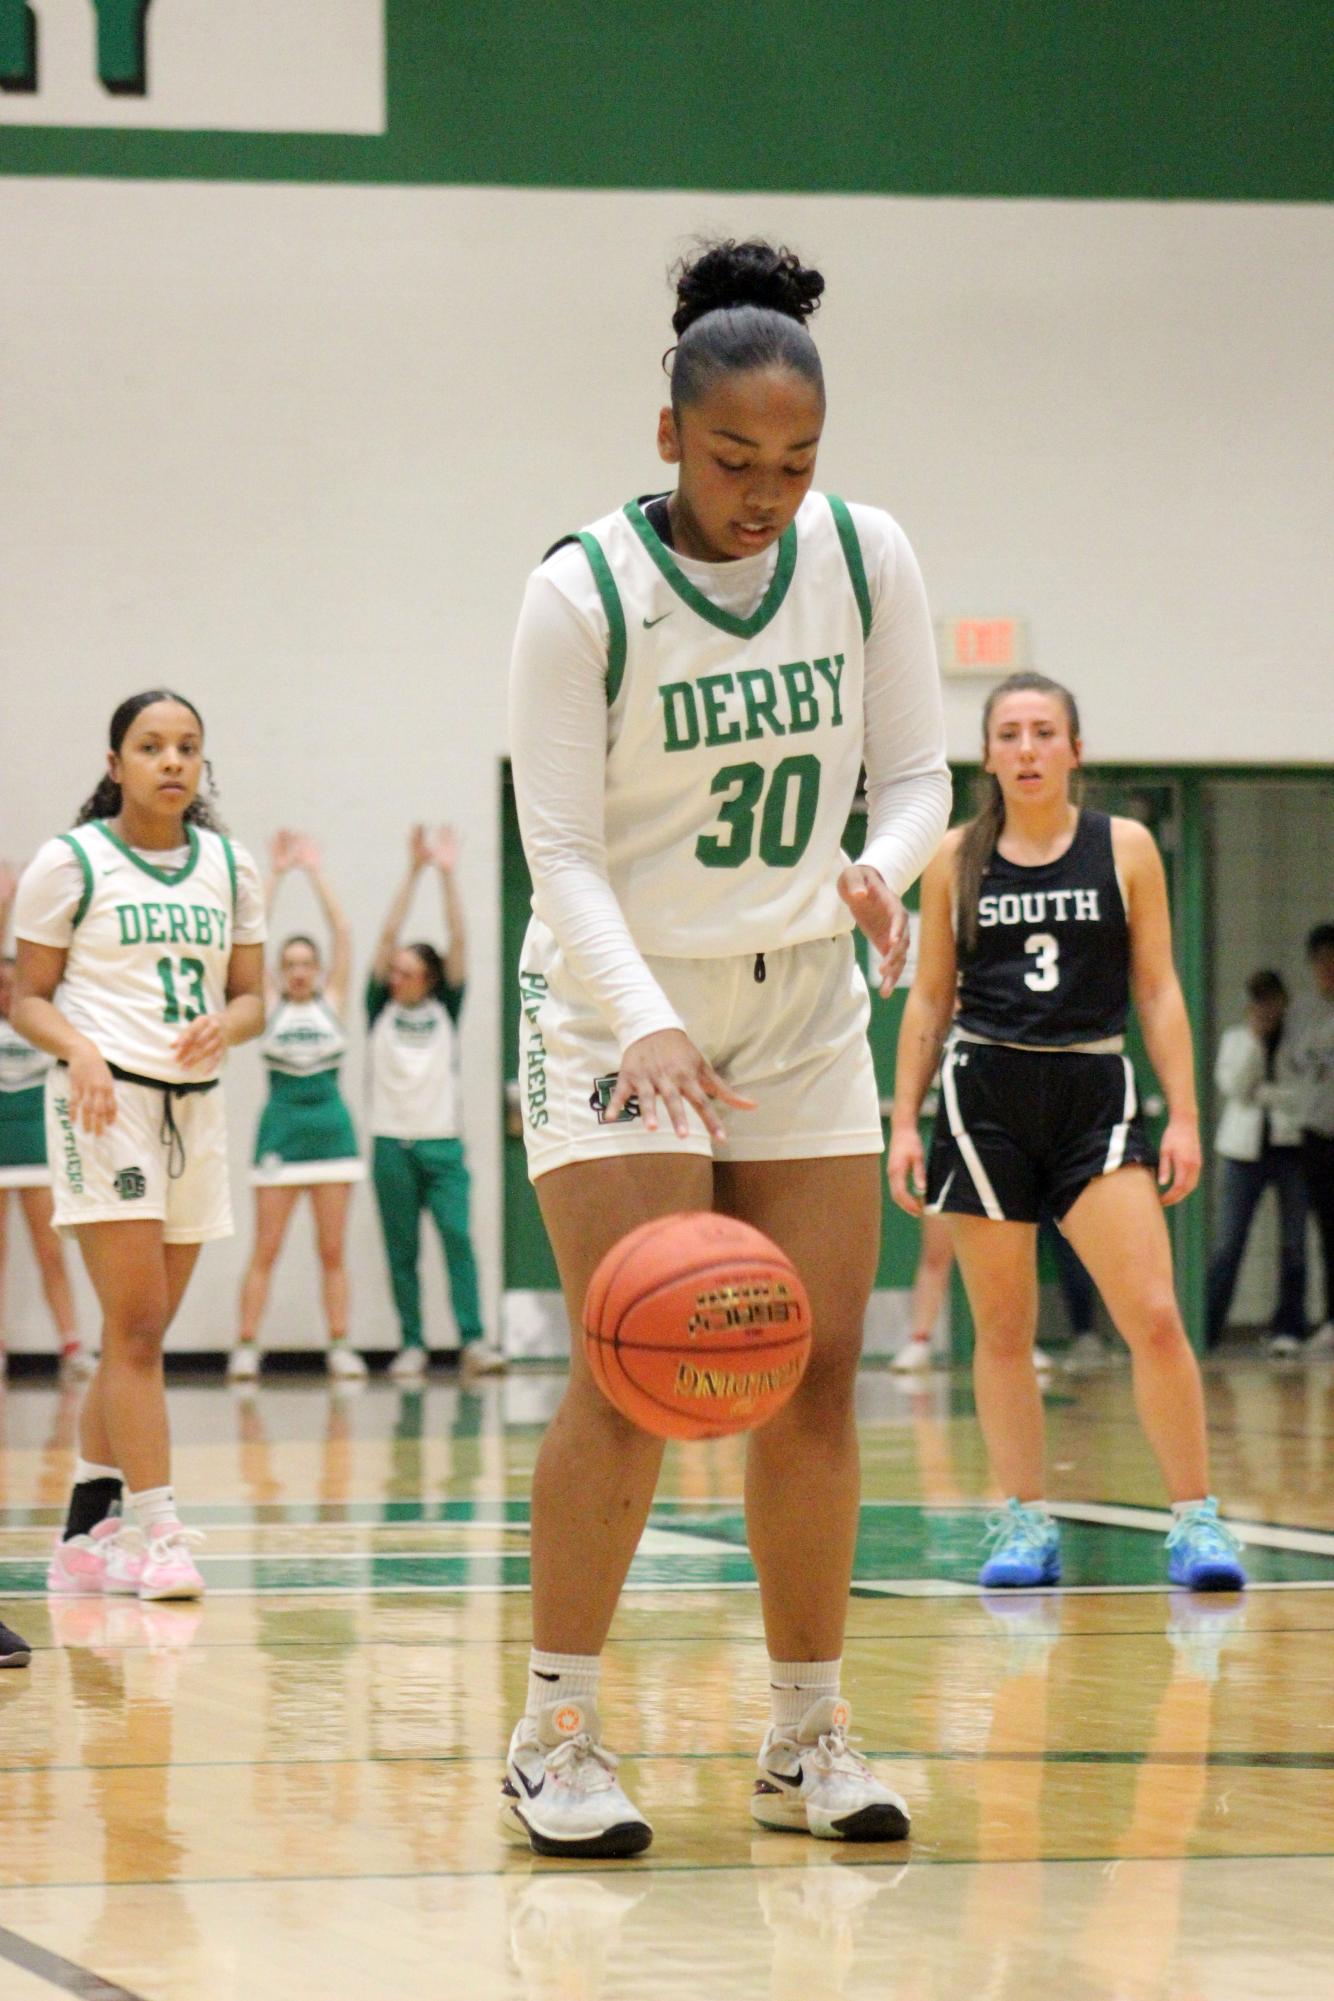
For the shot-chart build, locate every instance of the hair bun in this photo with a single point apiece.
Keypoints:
(752, 273)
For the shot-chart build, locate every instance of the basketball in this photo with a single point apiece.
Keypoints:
(697, 1326)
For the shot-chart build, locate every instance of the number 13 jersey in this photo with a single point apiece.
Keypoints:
(1051, 965)
(147, 942)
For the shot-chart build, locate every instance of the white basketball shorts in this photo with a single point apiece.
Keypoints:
(794, 1040)
(135, 1170)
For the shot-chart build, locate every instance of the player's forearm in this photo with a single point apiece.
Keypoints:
(242, 1019)
(1167, 1038)
(922, 1033)
(40, 1022)
(906, 819)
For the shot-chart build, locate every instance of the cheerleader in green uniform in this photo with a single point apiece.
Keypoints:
(306, 1140)
(23, 1160)
(413, 999)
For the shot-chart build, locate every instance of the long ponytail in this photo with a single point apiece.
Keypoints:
(982, 832)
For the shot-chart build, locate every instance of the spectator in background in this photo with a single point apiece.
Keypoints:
(1260, 1142)
(1310, 1054)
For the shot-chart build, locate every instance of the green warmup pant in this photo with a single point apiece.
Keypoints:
(415, 1174)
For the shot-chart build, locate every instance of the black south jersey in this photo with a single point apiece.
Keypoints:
(1051, 965)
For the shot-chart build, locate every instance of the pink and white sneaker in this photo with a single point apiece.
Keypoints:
(168, 1569)
(125, 1563)
(78, 1567)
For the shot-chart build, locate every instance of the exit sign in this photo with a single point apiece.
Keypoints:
(982, 645)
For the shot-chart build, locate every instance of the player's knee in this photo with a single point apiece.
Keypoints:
(1158, 1325)
(331, 1257)
(135, 1335)
(1006, 1336)
(826, 1392)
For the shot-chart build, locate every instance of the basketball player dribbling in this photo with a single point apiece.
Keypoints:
(698, 679)
(1040, 922)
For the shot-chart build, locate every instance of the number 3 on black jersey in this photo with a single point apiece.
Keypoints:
(1047, 951)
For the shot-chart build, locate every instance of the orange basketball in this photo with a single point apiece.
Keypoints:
(696, 1326)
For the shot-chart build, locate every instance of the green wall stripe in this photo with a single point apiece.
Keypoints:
(1221, 102)
(611, 604)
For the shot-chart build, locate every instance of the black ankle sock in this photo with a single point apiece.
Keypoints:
(90, 1503)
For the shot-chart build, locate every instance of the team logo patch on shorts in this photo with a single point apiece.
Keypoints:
(601, 1096)
(130, 1184)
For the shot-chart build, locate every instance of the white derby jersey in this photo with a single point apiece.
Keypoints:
(150, 948)
(734, 744)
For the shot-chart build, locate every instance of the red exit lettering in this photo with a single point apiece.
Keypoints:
(984, 642)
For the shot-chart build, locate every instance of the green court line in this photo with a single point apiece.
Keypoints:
(1287, 1761)
(522, 1869)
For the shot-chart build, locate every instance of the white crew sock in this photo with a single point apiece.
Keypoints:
(88, 1469)
(795, 1685)
(561, 1678)
(149, 1509)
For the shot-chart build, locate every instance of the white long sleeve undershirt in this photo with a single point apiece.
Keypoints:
(558, 738)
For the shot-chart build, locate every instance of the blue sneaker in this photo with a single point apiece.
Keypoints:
(1026, 1549)
(1201, 1553)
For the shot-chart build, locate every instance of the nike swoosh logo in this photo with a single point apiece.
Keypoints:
(784, 1780)
(650, 622)
(532, 1791)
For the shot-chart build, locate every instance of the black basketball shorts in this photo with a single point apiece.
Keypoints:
(1020, 1130)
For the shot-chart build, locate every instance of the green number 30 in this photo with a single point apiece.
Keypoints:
(746, 783)
(196, 1004)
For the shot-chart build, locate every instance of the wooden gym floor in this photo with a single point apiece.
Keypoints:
(1120, 1793)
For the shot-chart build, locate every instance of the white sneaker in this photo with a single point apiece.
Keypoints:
(243, 1362)
(913, 1356)
(1322, 1341)
(560, 1792)
(481, 1358)
(78, 1361)
(1282, 1347)
(408, 1365)
(1042, 1361)
(812, 1782)
(345, 1364)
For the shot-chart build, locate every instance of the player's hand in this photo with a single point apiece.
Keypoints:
(881, 915)
(92, 1092)
(9, 883)
(419, 847)
(445, 850)
(306, 854)
(203, 1044)
(667, 1068)
(282, 851)
(1179, 1160)
(906, 1167)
